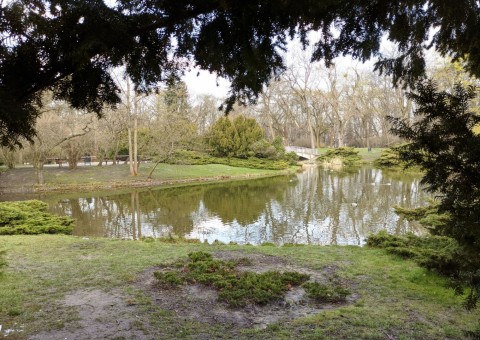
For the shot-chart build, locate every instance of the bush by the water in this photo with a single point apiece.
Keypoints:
(348, 156)
(390, 158)
(31, 217)
(197, 158)
(428, 216)
(243, 138)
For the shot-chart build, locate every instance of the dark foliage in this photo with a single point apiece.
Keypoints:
(445, 146)
(69, 46)
(390, 158)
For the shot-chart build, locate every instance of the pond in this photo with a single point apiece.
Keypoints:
(317, 206)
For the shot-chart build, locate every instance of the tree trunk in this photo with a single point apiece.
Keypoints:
(115, 154)
(135, 145)
(38, 165)
(340, 133)
(312, 134)
(130, 153)
(73, 158)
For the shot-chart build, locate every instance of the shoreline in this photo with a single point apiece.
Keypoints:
(141, 183)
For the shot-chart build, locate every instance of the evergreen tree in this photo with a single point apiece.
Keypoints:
(234, 138)
(445, 146)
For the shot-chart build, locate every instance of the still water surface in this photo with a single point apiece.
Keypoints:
(316, 206)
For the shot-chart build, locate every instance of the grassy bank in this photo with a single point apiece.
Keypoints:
(367, 156)
(53, 284)
(117, 176)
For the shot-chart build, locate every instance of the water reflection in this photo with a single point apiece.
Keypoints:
(316, 207)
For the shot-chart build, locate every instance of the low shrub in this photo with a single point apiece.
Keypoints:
(348, 156)
(428, 216)
(389, 158)
(235, 288)
(196, 158)
(320, 292)
(31, 217)
(436, 253)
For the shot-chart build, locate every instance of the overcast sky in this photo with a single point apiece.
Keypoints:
(205, 83)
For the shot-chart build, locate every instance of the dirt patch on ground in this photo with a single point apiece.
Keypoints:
(99, 315)
(200, 303)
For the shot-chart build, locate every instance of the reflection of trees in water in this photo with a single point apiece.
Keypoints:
(318, 206)
(170, 210)
(243, 202)
(327, 208)
(135, 214)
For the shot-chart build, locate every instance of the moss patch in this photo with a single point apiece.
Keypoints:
(31, 217)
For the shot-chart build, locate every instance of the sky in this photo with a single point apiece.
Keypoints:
(205, 83)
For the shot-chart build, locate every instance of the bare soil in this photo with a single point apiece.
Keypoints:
(99, 315)
(112, 315)
(200, 303)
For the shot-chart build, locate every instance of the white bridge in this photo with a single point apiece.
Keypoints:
(305, 153)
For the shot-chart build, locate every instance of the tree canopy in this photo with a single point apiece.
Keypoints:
(69, 46)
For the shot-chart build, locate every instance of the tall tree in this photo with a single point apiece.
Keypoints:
(69, 46)
(444, 144)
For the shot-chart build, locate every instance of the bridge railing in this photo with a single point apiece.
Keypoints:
(302, 150)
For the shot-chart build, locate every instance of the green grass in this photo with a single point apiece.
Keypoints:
(117, 176)
(163, 172)
(369, 156)
(395, 298)
(321, 292)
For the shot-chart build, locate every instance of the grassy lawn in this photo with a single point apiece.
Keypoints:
(111, 176)
(163, 172)
(393, 299)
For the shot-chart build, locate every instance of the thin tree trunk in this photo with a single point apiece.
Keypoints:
(115, 154)
(39, 172)
(130, 152)
(312, 133)
(135, 145)
(154, 167)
